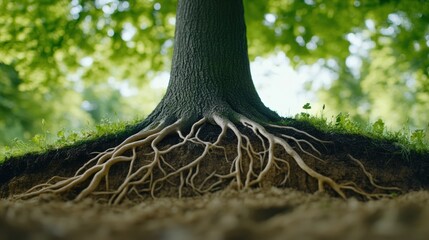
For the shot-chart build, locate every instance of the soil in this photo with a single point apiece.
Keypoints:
(228, 214)
(290, 211)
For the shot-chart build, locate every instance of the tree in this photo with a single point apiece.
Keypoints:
(128, 42)
(210, 86)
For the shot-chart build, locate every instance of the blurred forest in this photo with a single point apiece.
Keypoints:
(67, 64)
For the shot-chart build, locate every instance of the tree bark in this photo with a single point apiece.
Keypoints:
(210, 70)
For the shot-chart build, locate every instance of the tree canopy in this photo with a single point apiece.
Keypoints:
(74, 62)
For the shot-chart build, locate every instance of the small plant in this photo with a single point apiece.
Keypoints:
(343, 121)
(378, 127)
(418, 138)
(306, 106)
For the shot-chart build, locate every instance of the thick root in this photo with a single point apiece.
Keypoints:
(252, 163)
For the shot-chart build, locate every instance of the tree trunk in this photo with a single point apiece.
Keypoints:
(210, 70)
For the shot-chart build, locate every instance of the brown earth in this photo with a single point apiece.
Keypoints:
(267, 212)
(258, 214)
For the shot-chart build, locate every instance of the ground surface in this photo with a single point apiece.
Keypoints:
(258, 214)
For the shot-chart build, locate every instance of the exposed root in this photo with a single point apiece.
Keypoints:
(147, 172)
(371, 178)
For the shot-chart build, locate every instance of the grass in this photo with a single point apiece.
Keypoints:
(410, 140)
(46, 141)
(417, 140)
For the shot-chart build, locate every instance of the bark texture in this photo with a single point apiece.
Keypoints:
(210, 70)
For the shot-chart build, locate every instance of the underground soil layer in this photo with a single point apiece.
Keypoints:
(267, 213)
(388, 163)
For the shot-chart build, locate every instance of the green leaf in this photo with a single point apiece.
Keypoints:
(38, 139)
(60, 134)
(307, 106)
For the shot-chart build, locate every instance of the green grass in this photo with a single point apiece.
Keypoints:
(417, 140)
(46, 141)
(410, 140)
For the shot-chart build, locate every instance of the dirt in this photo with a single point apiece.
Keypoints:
(266, 212)
(258, 214)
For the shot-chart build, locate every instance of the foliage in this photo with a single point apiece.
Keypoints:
(75, 62)
(22, 111)
(69, 62)
(376, 52)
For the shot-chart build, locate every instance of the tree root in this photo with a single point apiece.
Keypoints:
(251, 164)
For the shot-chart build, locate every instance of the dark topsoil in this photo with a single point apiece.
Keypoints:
(388, 162)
